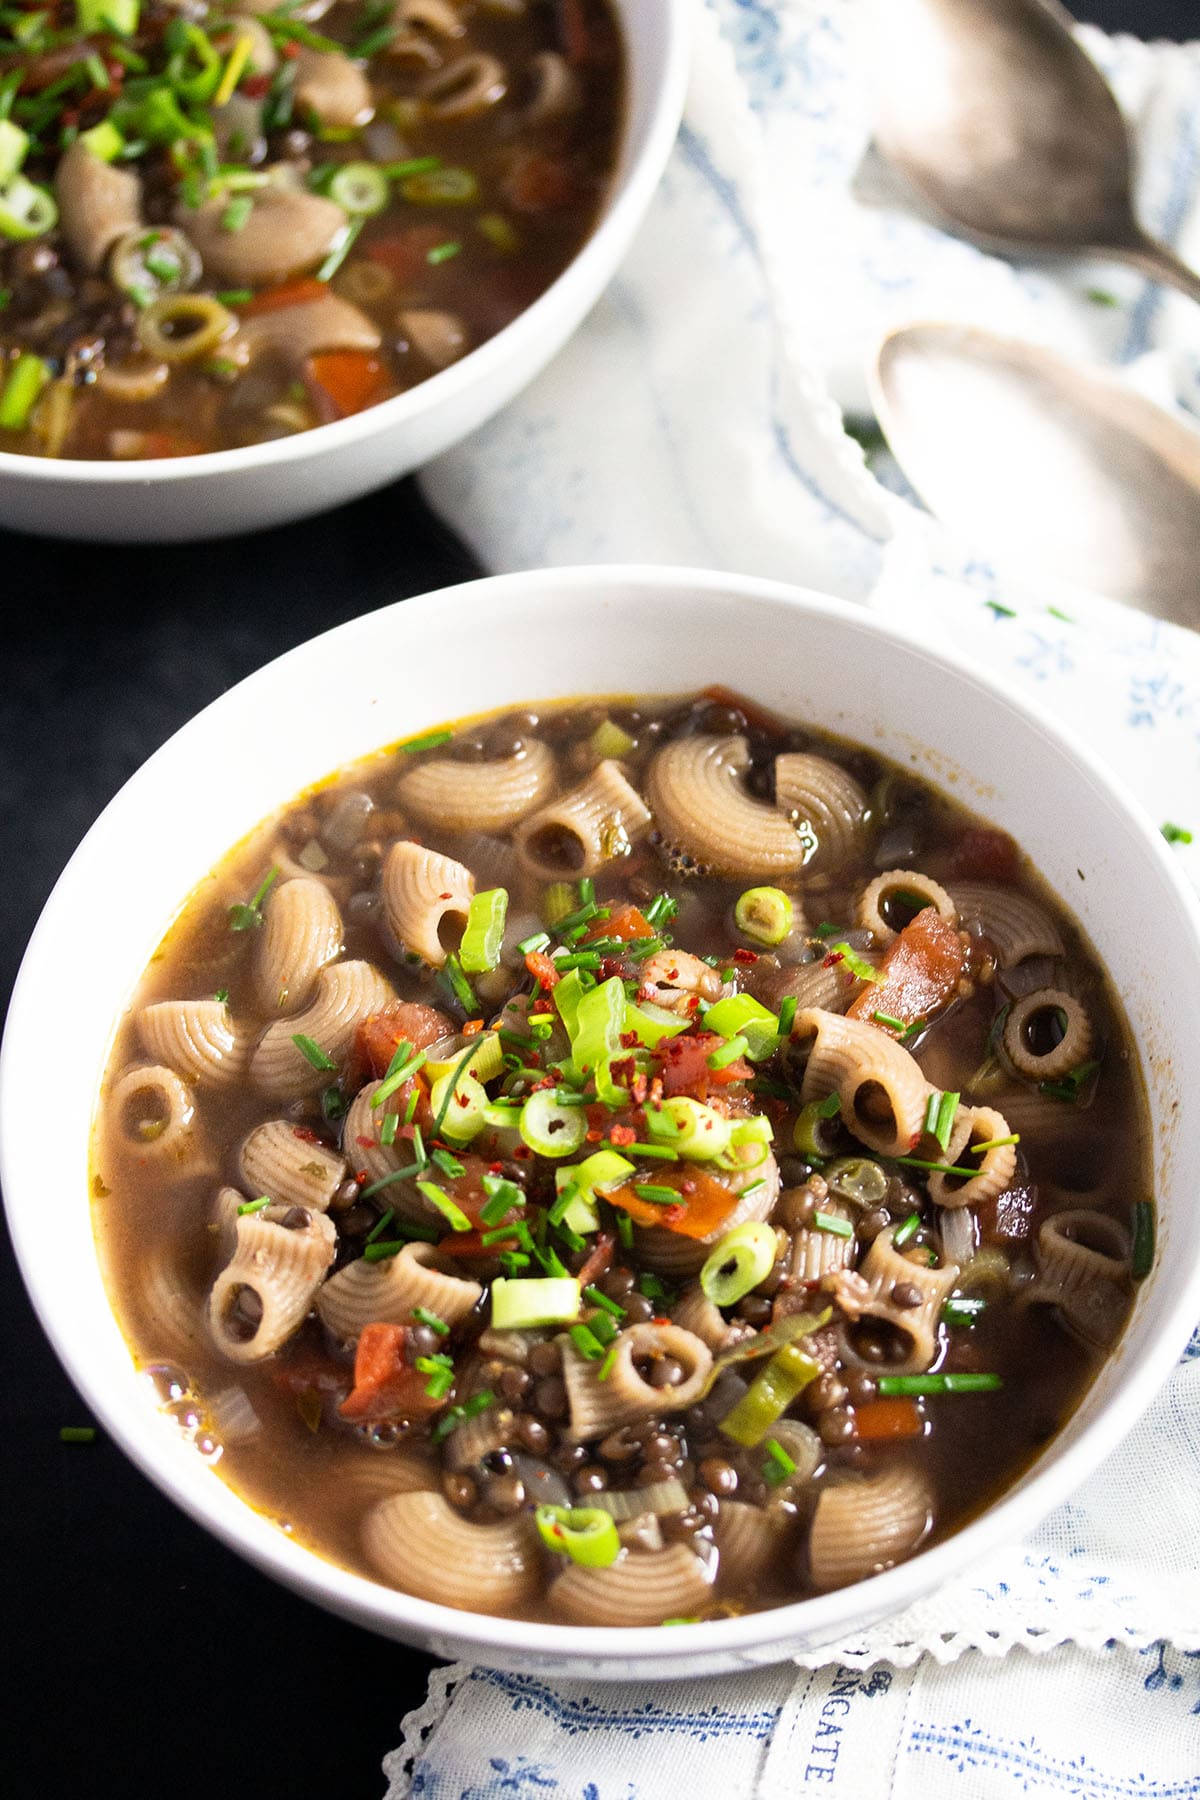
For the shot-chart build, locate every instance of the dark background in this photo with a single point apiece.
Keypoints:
(142, 1656)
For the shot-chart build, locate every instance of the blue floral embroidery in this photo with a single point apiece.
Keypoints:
(967, 1746)
(575, 1712)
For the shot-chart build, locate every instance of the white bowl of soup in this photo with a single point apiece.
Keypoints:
(287, 257)
(549, 1148)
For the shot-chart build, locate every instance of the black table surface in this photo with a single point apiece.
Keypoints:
(143, 1657)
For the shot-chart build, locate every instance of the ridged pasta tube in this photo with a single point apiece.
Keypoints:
(975, 1125)
(670, 1253)
(476, 1438)
(225, 1211)
(884, 1270)
(346, 994)
(881, 1088)
(418, 1543)
(281, 1265)
(155, 1115)
(816, 1252)
(640, 1588)
(301, 933)
(1013, 923)
(829, 986)
(693, 1311)
(825, 804)
(275, 1160)
(373, 1293)
(196, 1038)
(863, 1527)
(708, 821)
(1072, 1048)
(576, 834)
(752, 1541)
(598, 1407)
(373, 1475)
(1082, 1260)
(425, 895)
(480, 796)
(870, 915)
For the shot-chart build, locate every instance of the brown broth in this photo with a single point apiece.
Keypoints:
(157, 1239)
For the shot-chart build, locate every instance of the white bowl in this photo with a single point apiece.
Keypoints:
(266, 484)
(521, 638)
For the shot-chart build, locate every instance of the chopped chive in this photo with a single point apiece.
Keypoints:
(998, 611)
(404, 1174)
(460, 987)
(455, 1415)
(586, 1342)
(659, 1196)
(939, 1117)
(962, 1309)
(442, 252)
(728, 1053)
(787, 1015)
(503, 1195)
(429, 741)
(598, 1299)
(245, 916)
(915, 1162)
(625, 1230)
(540, 940)
(424, 1317)
(995, 1144)
(779, 1465)
(312, 1052)
(449, 1209)
(77, 1434)
(513, 1261)
(236, 296)
(830, 1106)
(416, 165)
(387, 1131)
(905, 1233)
(939, 1384)
(1176, 834)
(253, 1206)
(550, 1261)
(663, 1152)
(448, 1164)
(606, 1367)
(516, 1232)
(381, 1250)
(889, 1019)
(441, 1379)
(381, 1224)
(236, 215)
(1143, 1240)
(831, 1223)
(222, 995)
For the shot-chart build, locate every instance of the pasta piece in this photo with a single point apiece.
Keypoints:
(226, 1207)
(264, 1292)
(997, 1166)
(302, 932)
(476, 1438)
(671, 1254)
(640, 1588)
(1042, 1116)
(881, 1087)
(367, 1154)
(156, 1119)
(1082, 1262)
(464, 89)
(196, 1038)
(481, 796)
(170, 1313)
(752, 1541)
(862, 1527)
(509, 1346)
(418, 1543)
(1016, 925)
(1057, 1060)
(825, 805)
(900, 883)
(816, 1253)
(275, 1160)
(582, 830)
(385, 1293)
(708, 822)
(598, 1407)
(426, 898)
(821, 983)
(695, 1312)
(912, 1329)
(346, 994)
(401, 1469)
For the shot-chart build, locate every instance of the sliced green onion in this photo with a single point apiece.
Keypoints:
(728, 1053)
(907, 1231)
(550, 1129)
(1143, 1240)
(594, 1296)
(484, 933)
(523, 1305)
(939, 1117)
(917, 1385)
(77, 1434)
(963, 1309)
(742, 1016)
(449, 1209)
(333, 262)
(254, 1206)
(442, 252)
(14, 145)
(779, 1465)
(657, 1194)
(692, 1130)
(587, 1534)
(360, 188)
(454, 1416)
(95, 17)
(587, 1342)
(834, 1225)
(27, 377)
(815, 1135)
(769, 1395)
(744, 1257)
(460, 1094)
(841, 952)
(764, 914)
(312, 1052)
(440, 187)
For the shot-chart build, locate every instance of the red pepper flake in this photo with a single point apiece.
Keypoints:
(306, 1134)
(622, 1134)
(834, 957)
(290, 51)
(522, 1152)
(656, 1092)
(362, 1176)
(673, 1214)
(610, 966)
(255, 86)
(364, 1143)
(661, 1320)
(745, 956)
(639, 1087)
(686, 1186)
(593, 1136)
(472, 1028)
(629, 1040)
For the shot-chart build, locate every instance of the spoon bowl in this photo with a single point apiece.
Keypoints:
(1066, 472)
(1007, 130)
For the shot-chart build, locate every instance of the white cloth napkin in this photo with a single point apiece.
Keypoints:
(697, 419)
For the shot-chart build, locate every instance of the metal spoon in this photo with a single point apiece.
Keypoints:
(1058, 470)
(1009, 131)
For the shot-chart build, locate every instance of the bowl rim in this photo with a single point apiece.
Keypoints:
(607, 1650)
(629, 194)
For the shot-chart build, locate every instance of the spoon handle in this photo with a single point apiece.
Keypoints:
(1160, 263)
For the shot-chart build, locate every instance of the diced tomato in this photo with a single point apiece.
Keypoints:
(405, 254)
(385, 1387)
(353, 379)
(289, 293)
(921, 971)
(704, 1203)
(883, 1419)
(403, 1021)
(542, 968)
(982, 854)
(685, 1067)
(305, 1370)
(537, 183)
(627, 923)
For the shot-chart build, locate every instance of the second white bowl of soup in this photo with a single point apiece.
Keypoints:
(812, 1219)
